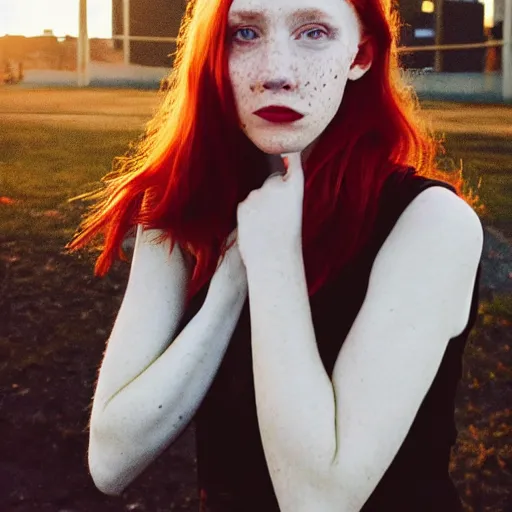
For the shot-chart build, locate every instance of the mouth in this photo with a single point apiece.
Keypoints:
(276, 114)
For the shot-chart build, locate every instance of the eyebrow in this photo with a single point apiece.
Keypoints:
(300, 15)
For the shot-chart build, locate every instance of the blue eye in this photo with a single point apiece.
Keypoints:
(315, 33)
(245, 34)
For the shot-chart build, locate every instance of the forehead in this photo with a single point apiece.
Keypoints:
(283, 8)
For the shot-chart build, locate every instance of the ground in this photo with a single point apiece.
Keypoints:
(55, 316)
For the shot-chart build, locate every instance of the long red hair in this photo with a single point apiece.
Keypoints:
(194, 164)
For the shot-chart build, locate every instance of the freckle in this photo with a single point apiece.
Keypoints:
(336, 77)
(324, 85)
(316, 89)
(181, 417)
(159, 406)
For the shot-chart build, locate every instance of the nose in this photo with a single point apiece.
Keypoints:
(276, 71)
(276, 84)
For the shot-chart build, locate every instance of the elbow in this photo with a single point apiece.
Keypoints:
(105, 484)
(118, 453)
(105, 468)
(105, 478)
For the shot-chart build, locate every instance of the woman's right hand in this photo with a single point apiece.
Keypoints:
(230, 278)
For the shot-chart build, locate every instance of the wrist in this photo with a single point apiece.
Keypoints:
(276, 258)
(223, 295)
(268, 272)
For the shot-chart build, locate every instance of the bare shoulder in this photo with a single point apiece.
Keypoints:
(442, 218)
(430, 259)
(456, 219)
(441, 201)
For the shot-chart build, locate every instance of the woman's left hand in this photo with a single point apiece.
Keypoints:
(270, 218)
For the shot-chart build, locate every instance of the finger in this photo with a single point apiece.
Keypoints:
(232, 237)
(276, 174)
(293, 165)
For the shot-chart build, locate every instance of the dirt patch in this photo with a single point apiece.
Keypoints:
(89, 109)
(55, 320)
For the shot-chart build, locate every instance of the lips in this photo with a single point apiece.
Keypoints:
(275, 114)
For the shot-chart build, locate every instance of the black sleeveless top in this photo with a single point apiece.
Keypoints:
(232, 471)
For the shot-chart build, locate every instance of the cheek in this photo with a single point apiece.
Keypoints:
(240, 78)
(325, 83)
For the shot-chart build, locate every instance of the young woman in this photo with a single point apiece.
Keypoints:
(313, 323)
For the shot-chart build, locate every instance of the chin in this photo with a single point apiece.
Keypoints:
(279, 147)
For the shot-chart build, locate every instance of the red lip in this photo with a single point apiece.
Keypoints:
(276, 114)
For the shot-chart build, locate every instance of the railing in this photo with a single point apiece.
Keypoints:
(466, 46)
(147, 39)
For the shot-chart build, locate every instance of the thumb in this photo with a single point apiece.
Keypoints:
(293, 165)
(232, 237)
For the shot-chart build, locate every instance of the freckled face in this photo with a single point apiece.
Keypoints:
(291, 53)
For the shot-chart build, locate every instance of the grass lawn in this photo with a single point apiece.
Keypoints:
(486, 159)
(55, 316)
(44, 166)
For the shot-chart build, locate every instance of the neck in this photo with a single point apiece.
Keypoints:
(275, 162)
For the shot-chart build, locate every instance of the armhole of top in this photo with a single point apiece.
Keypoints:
(398, 192)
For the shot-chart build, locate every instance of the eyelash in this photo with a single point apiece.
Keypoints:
(324, 30)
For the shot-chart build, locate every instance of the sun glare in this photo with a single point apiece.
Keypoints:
(33, 17)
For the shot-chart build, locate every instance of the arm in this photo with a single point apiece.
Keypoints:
(149, 389)
(329, 444)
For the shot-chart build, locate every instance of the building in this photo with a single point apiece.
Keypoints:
(464, 23)
(499, 11)
(499, 16)
(463, 19)
(497, 32)
(151, 18)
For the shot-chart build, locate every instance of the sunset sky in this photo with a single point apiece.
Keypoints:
(31, 17)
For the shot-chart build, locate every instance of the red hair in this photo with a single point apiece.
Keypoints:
(194, 164)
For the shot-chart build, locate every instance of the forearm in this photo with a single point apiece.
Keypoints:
(153, 409)
(294, 395)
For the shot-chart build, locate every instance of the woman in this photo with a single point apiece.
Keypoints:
(331, 388)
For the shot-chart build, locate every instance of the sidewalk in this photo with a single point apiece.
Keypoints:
(101, 75)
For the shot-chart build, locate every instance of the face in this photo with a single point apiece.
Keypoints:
(289, 62)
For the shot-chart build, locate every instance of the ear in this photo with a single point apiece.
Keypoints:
(363, 60)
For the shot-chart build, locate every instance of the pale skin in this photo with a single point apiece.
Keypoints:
(298, 54)
(327, 441)
(148, 389)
